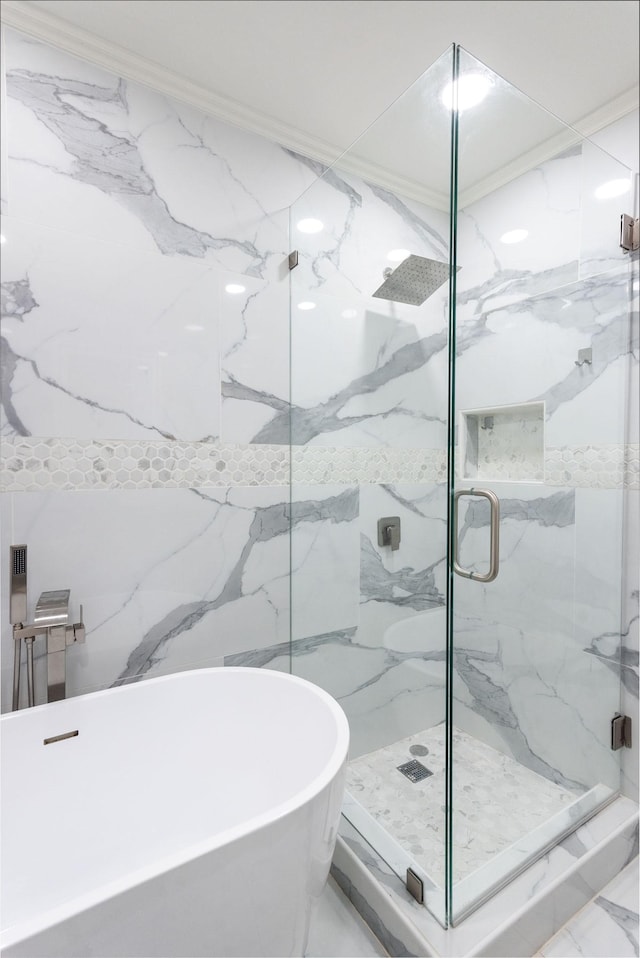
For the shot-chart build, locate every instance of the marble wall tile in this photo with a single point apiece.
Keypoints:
(384, 661)
(101, 341)
(600, 215)
(386, 665)
(154, 208)
(366, 372)
(324, 559)
(598, 570)
(362, 223)
(254, 356)
(402, 595)
(367, 393)
(386, 694)
(4, 198)
(134, 191)
(608, 925)
(412, 578)
(523, 666)
(535, 342)
(169, 579)
(546, 203)
(631, 538)
(630, 638)
(101, 156)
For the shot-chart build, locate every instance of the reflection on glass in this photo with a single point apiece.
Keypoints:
(383, 389)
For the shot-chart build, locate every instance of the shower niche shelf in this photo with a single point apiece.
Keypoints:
(503, 442)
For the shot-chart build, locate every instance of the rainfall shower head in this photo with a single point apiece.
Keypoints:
(414, 280)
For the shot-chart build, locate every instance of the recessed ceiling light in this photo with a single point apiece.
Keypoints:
(611, 188)
(397, 255)
(306, 305)
(514, 236)
(472, 89)
(194, 328)
(349, 313)
(310, 225)
(234, 288)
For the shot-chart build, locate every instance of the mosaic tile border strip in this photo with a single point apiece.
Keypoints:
(315, 465)
(35, 464)
(29, 464)
(594, 467)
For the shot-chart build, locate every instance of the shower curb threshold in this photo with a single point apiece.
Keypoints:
(518, 919)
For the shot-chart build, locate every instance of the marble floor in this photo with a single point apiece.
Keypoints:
(497, 800)
(338, 931)
(606, 928)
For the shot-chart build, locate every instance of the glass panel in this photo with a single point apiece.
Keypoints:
(541, 329)
(369, 432)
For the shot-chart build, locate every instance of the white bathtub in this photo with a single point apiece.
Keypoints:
(193, 814)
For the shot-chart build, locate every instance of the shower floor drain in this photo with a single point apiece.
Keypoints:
(415, 771)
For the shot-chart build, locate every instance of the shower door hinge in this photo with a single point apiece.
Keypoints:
(293, 259)
(620, 732)
(415, 886)
(629, 234)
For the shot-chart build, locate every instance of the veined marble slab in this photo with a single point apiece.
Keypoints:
(607, 926)
(524, 667)
(519, 918)
(111, 159)
(177, 578)
(101, 340)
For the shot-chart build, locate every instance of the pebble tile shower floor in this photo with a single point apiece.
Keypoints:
(497, 800)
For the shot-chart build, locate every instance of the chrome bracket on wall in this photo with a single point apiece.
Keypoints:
(620, 732)
(415, 886)
(629, 233)
(585, 357)
(293, 259)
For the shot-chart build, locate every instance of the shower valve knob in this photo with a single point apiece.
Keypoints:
(389, 532)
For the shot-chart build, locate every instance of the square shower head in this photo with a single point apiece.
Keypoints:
(414, 280)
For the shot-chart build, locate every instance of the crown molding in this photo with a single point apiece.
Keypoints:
(584, 128)
(87, 46)
(615, 109)
(50, 29)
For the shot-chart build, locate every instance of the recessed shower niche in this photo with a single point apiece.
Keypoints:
(504, 442)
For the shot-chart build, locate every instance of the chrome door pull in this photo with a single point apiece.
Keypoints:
(494, 545)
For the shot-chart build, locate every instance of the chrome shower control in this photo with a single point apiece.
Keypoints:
(389, 532)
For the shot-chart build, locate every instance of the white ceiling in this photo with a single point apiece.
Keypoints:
(324, 70)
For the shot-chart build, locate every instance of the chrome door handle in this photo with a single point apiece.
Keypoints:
(494, 545)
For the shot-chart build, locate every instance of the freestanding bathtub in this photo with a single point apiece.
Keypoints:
(193, 814)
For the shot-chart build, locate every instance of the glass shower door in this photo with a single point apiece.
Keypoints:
(369, 432)
(459, 334)
(538, 411)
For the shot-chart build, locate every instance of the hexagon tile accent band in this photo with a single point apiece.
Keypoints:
(30, 464)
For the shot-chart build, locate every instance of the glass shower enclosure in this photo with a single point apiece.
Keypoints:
(459, 330)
